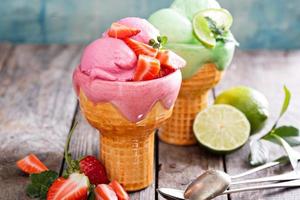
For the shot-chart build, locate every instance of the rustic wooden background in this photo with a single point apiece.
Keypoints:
(38, 106)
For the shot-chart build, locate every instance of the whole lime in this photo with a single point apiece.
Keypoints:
(249, 101)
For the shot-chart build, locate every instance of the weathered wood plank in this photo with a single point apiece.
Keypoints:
(5, 50)
(85, 141)
(178, 166)
(37, 105)
(267, 72)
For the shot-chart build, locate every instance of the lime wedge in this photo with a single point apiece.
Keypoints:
(222, 19)
(203, 32)
(221, 128)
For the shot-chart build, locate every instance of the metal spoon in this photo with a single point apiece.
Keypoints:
(213, 182)
(174, 194)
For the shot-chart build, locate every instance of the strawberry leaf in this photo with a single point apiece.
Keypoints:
(40, 184)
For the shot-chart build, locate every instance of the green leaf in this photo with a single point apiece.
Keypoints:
(40, 184)
(214, 28)
(289, 133)
(156, 46)
(164, 40)
(286, 102)
(152, 42)
(293, 155)
(259, 153)
(285, 105)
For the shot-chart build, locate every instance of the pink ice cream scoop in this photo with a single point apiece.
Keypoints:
(109, 64)
(108, 59)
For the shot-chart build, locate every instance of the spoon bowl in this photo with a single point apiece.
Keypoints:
(208, 185)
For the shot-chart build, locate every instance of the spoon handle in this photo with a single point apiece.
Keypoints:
(256, 169)
(295, 183)
(282, 177)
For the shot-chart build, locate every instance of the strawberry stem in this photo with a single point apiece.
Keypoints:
(68, 157)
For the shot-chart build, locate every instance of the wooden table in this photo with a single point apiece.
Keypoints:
(38, 106)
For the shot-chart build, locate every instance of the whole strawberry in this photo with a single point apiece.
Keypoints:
(93, 169)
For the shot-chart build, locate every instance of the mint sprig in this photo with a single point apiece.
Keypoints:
(159, 43)
(285, 136)
(40, 184)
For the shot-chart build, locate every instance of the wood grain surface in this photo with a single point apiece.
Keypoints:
(38, 105)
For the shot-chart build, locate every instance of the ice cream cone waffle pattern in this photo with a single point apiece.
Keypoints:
(126, 148)
(193, 97)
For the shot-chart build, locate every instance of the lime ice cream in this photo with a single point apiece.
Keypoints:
(176, 23)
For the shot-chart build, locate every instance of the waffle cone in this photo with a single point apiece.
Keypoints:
(193, 97)
(126, 148)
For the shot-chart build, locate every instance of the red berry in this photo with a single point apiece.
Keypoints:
(31, 165)
(105, 192)
(121, 31)
(94, 170)
(119, 190)
(170, 59)
(73, 188)
(141, 48)
(147, 68)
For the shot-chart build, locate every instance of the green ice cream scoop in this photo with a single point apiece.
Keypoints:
(176, 23)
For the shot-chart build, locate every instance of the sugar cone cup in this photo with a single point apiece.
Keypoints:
(126, 148)
(193, 97)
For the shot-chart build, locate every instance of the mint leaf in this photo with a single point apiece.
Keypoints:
(214, 28)
(152, 42)
(293, 155)
(164, 40)
(40, 184)
(259, 153)
(161, 41)
(289, 133)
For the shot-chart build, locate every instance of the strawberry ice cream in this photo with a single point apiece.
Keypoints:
(127, 84)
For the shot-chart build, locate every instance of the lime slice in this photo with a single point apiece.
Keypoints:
(203, 32)
(221, 128)
(220, 16)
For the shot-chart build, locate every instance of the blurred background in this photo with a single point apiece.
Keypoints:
(259, 24)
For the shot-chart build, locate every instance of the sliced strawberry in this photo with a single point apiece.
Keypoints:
(121, 31)
(73, 188)
(170, 59)
(31, 165)
(93, 169)
(105, 192)
(141, 48)
(164, 71)
(119, 190)
(147, 68)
